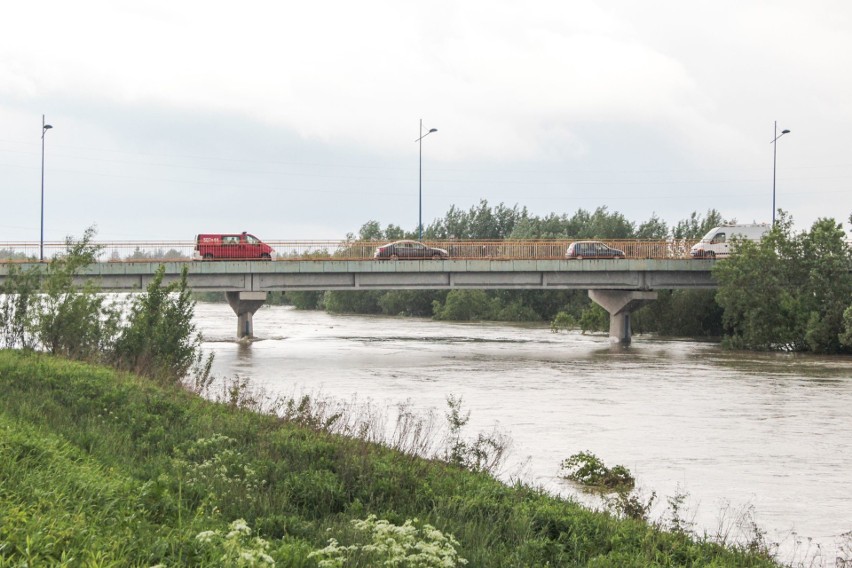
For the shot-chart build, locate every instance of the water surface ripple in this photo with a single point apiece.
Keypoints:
(731, 430)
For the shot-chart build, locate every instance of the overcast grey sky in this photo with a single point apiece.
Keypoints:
(297, 120)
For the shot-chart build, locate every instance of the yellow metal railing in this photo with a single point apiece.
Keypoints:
(184, 251)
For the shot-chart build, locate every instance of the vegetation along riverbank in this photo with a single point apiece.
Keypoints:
(111, 456)
(104, 468)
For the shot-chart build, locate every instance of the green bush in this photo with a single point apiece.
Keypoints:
(587, 469)
(159, 339)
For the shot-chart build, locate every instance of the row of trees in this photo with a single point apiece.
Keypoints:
(484, 221)
(789, 292)
(151, 334)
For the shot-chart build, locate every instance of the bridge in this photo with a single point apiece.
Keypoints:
(619, 285)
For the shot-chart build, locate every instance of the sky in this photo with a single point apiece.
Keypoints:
(299, 120)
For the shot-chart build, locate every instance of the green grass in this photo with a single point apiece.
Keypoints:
(100, 468)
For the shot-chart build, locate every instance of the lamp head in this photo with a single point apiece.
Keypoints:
(785, 132)
(46, 127)
(431, 130)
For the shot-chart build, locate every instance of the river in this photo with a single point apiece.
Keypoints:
(766, 437)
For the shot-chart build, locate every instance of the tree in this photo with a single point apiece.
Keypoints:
(653, 228)
(695, 227)
(787, 292)
(74, 321)
(159, 340)
(828, 290)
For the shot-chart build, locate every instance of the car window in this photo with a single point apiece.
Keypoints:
(719, 238)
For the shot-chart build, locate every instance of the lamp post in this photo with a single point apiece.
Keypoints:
(44, 129)
(774, 161)
(420, 185)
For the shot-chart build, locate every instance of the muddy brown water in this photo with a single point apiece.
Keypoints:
(767, 436)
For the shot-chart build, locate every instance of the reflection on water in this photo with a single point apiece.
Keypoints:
(767, 430)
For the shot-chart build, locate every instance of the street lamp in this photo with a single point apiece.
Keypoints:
(44, 128)
(420, 187)
(774, 160)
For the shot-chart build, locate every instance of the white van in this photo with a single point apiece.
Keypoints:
(716, 243)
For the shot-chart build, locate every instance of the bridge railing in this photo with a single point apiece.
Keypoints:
(184, 251)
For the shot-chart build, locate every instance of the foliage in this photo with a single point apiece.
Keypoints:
(101, 468)
(695, 227)
(393, 545)
(683, 313)
(654, 228)
(71, 320)
(410, 302)
(563, 320)
(483, 454)
(308, 300)
(18, 307)
(481, 222)
(629, 503)
(12, 254)
(51, 310)
(594, 318)
(846, 336)
(788, 292)
(357, 302)
(587, 469)
(159, 340)
(237, 547)
(464, 305)
(157, 254)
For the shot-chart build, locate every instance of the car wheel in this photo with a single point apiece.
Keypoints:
(265, 256)
(208, 256)
(437, 256)
(710, 254)
(394, 257)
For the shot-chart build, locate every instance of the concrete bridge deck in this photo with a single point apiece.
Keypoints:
(619, 285)
(258, 276)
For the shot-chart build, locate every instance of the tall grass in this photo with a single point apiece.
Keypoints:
(102, 468)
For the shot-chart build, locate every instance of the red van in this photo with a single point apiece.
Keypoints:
(231, 246)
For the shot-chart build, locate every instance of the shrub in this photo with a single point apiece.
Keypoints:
(563, 320)
(587, 469)
(159, 340)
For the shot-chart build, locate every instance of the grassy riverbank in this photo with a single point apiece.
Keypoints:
(101, 468)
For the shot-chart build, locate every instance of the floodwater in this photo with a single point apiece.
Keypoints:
(765, 437)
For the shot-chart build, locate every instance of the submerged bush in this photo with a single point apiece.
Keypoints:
(587, 469)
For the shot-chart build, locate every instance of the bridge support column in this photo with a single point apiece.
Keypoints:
(244, 305)
(619, 304)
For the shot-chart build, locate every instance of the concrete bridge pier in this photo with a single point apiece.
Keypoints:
(619, 304)
(244, 305)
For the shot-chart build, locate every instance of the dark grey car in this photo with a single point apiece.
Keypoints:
(592, 249)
